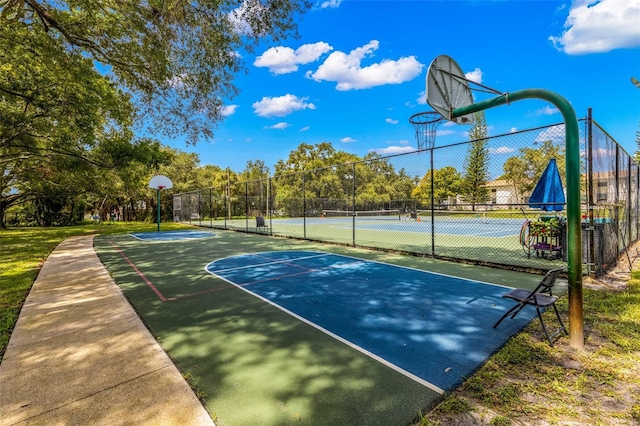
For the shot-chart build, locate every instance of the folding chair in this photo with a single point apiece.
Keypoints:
(540, 297)
(260, 223)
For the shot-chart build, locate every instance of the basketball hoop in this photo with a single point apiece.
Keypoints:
(425, 124)
(160, 182)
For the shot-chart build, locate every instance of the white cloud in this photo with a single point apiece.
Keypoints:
(596, 26)
(475, 75)
(501, 150)
(553, 133)
(228, 110)
(278, 126)
(547, 110)
(513, 130)
(280, 106)
(347, 71)
(422, 98)
(445, 132)
(391, 121)
(330, 4)
(305, 128)
(283, 60)
(347, 140)
(391, 150)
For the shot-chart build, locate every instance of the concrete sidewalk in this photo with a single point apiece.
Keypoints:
(80, 355)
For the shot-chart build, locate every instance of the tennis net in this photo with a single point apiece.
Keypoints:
(388, 214)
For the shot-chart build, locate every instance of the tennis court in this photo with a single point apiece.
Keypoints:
(289, 329)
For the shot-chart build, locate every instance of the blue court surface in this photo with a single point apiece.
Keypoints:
(173, 235)
(435, 329)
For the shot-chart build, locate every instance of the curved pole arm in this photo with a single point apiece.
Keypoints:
(574, 227)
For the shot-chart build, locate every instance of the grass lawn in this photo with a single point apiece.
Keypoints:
(24, 250)
(526, 382)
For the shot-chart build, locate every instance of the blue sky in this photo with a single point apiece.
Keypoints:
(357, 73)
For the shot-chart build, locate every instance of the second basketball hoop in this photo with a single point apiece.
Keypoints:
(426, 124)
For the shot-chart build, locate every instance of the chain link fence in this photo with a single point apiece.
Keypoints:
(466, 202)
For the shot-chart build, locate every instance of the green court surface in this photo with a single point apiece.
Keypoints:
(252, 362)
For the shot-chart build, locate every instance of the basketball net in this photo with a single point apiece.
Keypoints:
(426, 124)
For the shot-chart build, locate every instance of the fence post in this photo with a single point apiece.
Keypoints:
(269, 205)
(590, 228)
(616, 207)
(433, 214)
(353, 204)
(246, 206)
(628, 206)
(304, 207)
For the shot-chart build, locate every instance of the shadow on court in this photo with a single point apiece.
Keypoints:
(255, 363)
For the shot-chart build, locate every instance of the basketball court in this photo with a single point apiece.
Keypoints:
(290, 329)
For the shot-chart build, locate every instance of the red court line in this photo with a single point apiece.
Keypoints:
(135, 268)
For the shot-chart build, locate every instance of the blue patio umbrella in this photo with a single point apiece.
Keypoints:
(548, 194)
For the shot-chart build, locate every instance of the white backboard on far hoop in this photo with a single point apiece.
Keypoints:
(160, 182)
(448, 89)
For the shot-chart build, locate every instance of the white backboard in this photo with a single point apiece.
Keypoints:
(160, 182)
(448, 88)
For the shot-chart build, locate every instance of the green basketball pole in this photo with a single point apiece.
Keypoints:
(574, 239)
(158, 209)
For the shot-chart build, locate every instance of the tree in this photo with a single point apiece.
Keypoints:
(54, 108)
(524, 170)
(446, 185)
(476, 165)
(256, 175)
(178, 57)
(307, 166)
(516, 173)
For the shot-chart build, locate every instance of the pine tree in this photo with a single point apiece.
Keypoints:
(476, 165)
